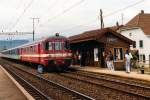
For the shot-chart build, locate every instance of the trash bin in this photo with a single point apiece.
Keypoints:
(142, 71)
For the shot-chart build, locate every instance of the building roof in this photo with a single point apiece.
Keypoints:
(95, 35)
(141, 20)
(116, 28)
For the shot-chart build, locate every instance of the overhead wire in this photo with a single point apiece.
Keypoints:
(67, 10)
(63, 12)
(52, 6)
(24, 11)
(129, 6)
(110, 14)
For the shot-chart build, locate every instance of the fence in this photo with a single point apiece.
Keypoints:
(143, 65)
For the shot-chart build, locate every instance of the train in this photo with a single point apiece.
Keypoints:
(50, 52)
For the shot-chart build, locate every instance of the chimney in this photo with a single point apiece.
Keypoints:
(142, 11)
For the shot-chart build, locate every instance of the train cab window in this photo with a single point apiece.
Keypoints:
(48, 46)
(58, 46)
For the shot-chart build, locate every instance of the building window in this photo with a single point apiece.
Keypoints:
(130, 34)
(142, 58)
(134, 45)
(141, 43)
(118, 54)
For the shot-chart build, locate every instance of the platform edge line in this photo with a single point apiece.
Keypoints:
(27, 95)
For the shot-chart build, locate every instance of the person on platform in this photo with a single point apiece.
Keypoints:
(128, 57)
(109, 61)
(79, 58)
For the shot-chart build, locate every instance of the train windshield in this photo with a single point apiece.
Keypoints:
(58, 45)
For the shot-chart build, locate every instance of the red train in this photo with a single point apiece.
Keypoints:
(50, 52)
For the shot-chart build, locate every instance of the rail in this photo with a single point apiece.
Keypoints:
(104, 78)
(75, 94)
(37, 94)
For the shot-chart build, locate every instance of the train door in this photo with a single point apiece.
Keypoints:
(39, 52)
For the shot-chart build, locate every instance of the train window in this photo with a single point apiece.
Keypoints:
(31, 49)
(48, 46)
(58, 46)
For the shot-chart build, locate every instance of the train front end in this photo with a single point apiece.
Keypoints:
(58, 50)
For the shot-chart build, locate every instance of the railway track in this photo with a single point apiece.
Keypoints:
(134, 89)
(50, 89)
(100, 86)
(37, 94)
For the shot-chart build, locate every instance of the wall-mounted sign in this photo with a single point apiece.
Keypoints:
(112, 38)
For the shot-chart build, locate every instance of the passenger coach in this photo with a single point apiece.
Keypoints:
(51, 52)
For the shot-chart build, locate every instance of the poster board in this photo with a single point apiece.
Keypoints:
(95, 54)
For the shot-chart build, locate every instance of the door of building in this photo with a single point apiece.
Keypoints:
(102, 57)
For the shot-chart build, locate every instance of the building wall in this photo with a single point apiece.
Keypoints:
(118, 48)
(98, 50)
(137, 35)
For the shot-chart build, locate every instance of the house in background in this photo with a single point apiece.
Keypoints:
(138, 30)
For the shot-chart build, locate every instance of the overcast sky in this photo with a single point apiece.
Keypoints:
(68, 17)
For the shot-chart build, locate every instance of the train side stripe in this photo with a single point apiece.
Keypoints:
(47, 55)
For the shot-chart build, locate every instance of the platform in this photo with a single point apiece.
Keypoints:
(8, 90)
(132, 74)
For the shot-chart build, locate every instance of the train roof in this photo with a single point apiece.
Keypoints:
(35, 42)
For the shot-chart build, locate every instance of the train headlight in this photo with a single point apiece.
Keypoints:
(69, 54)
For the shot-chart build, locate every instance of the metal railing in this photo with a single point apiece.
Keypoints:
(143, 65)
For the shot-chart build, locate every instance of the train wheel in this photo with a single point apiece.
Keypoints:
(40, 68)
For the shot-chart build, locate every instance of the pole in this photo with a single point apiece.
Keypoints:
(101, 19)
(33, 19)
(33, 29)
(122, 18)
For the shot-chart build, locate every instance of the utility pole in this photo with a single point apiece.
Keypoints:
(101, 19)
(122, 18)
(33, 19)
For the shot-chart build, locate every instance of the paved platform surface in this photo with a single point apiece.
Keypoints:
(133, 74)
(8, 90)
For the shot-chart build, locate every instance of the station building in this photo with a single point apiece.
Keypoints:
(91, 47)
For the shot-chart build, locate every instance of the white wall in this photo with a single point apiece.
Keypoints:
(137, 35)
